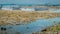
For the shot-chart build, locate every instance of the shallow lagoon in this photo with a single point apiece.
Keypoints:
(35, 26)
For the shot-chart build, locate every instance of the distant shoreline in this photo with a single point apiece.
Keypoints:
(33, 4)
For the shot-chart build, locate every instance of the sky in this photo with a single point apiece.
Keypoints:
(29, 1)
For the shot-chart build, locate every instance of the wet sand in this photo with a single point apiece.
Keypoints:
(17, 17)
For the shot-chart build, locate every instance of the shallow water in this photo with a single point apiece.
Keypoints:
(35, 26)
(58, 10)
(55, 10)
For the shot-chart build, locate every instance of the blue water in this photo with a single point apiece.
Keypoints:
(35, 26)
(41, 2)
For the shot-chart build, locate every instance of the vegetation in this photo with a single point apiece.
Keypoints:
(16, 16)
(50, 30)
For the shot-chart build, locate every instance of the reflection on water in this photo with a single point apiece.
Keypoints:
(35, 26)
